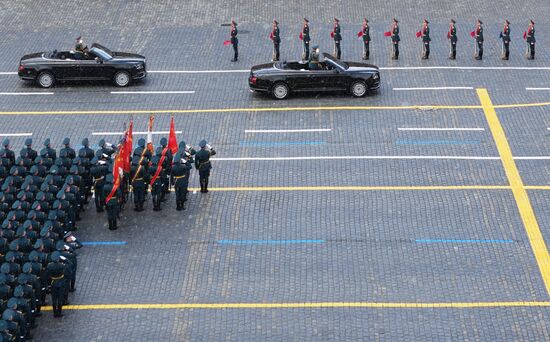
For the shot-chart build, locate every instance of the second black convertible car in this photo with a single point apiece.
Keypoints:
(281, 78)
(98, 63)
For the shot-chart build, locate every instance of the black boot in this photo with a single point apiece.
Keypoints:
(205, 185)
(178, 205)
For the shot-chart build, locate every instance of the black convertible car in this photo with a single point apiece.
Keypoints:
(98, 63)
(281, 78)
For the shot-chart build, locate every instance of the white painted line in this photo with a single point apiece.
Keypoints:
(15, 134)
(287, 130)
(463, 68)
(120, 133)
(356, 157)
(27, 93)
(436, 88)
(440, 129)
(196, 71)
(155, 92)
(537, 88)
(8, 73)
(533, 158)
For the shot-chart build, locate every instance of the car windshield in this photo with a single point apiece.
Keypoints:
(338, 63)
(101, 53)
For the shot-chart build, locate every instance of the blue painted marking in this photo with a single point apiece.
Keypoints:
(437, 142)
(280, 143)
(266, 242)
(96, 243)
(462, 241)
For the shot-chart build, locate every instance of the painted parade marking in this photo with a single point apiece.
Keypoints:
(442, 129)
(287, 130)
(436, 88)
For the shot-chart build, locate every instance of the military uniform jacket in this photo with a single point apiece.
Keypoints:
(9, 154)
(107, 190)
(162, 174)
(426, 34)
(305, 33)
(395, 34)
(337, 35)
(530, 34)
(479, 34)
(56, 274)
(181, 172)
(275, 35)
(31, 154)
(71, 154)
(234, 39)
(138, 173)
(202, 159)
(366, 33)
(142, 151)
(505, 34)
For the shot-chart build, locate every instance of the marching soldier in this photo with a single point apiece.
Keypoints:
(304, 36)
(395, 38)
(505, 35)
(58, 284)
(203, 164)
(478, 36)
(337, 37)
(530, 38)
(451, 36)
(113, 204)
(234, 41)
(425, 33)
(366, 39)
(139, 180)
(180, 172)
(274, 36)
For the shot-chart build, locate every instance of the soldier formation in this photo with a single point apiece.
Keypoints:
(393, 33)
(41, 199)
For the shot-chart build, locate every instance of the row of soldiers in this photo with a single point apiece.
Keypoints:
(393, 33)
(42, 196)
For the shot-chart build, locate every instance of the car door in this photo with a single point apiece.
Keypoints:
(64, 66)
(330, 78)
(93, 67)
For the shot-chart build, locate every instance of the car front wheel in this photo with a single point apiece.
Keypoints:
(45, 79)
(122, 79)
(358, 89)
(280, 91)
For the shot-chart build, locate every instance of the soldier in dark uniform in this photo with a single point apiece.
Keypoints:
(180, 172)
(166, 165)
(203, 164)
(451, 36)
(139, 178)
(395, 38)
(275, 37)
(478, 35)
(234, 41)
(98, 172)
(337, 37)
(86, 154)
(304, 36)
(366, 39)
(105, 149)
(58, 284)
(530, 38)
(505, 36)
(30, 153)
(425, 33)
(113, 205)
(71, 154)
(156, 185)
(7, 153)
(50, 152)
(314, 63)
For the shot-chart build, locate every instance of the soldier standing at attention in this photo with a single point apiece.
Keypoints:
(139, 180)
(58, 283)
(395, 38)
(180, 172)
(274, 36)
(113, 204)
(31, 154)
(451, 36)
(156, 183)
(505, 35)
(203, 164)
(478, 35)
(530, 37)
(335, 34)
(426, 39)
(234, 41)
(366, 39)
(7, 153)
(304, 36)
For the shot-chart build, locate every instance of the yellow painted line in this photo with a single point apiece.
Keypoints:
(520, 194)
(522, 105)
(537, 187)
(306, 305)
(360, 188)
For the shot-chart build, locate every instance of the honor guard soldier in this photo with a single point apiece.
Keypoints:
(156, 185)
(141, 152)
(139, 178)
(50, 152)
(425, 33)
(98, 171)
(86, 154)
(71, 154)
(203, 164)
(505, 36)
(58, 284)
(451, 36)
(234, 41)
(30, 153)
(275, 37)
(304, 36)
(365, 34)
(337, 37)
(113, 204)
(395, 38)
(8, 154)
(530, 38)
(180, 173)
(478, 36)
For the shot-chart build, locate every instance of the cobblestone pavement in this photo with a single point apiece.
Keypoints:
(419, 235)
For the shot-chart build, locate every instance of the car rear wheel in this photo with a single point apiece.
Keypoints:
(121, 79)
(280, 91)
(358, 89)
(45, 79)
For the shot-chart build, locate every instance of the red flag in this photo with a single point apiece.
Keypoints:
(360, 34)
(473, 33)
(159, 167)
(301, 36)
(524, 35)
(117, 171)
(449, 35)
(332, 34)
(271, 35)
(387, 34)
(227, 42)
(128, 145)
(150, 134)
(418, 34)
(172, 141)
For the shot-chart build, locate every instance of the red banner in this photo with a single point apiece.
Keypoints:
(226, 43)
(473, 33)
(360, 34)
(172, 141)
(159, 167)
(332, 34)
(387, 34)
(524, 35)
(418, 34)
(301, 36)
(128, 145)
(117, 170)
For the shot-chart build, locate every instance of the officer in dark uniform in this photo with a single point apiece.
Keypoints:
(98, 172)
(7, 153)
(28, 151)
(71, 154)
(366, 39)
(530, 38)
(451, 36)
(395, 38)
(58, 284)
(478, 35)
(105, 149)
(425, 33)
(86, 154)
(141, 152)
(505, 36)
(50, 152)
(156, 186)
(304, 36)
(275, 37)
(203, 164)
(234, 41)
(337, 37)
(180, 173)
(166, 164)
(314, 63)
(139, 178)
(113, 205)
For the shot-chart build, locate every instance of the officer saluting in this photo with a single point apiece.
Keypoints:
(451, 36)
(365, 33)
(203, 164)
(234, 41)
(505, 35)
(304, 36)
(335, 34)
(530, 38)
(478, 36)
(425, 33)
(180, 172)
(274, 36)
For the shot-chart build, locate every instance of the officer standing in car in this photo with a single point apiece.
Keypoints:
(304, 36)
(275, 37)
(337, 37)
(365, 33)
(203, 164)
(234, 41)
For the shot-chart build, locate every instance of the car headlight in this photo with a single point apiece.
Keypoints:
(139, 66)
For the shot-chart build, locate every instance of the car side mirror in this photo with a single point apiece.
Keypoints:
(98, 60)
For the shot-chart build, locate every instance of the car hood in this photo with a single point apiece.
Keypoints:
(128, 56)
